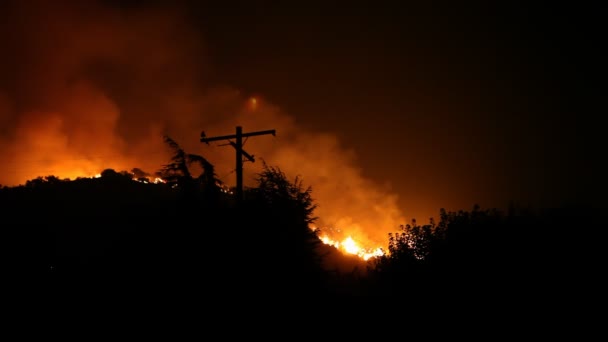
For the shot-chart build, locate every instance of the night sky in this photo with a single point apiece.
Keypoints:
(451, 103)
(443, 104)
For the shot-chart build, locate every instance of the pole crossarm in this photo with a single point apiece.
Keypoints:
(233, 136)
(238, 146)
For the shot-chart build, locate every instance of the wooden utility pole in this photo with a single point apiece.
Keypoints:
(238, 146)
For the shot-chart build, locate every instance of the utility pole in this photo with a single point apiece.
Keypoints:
(238, 146)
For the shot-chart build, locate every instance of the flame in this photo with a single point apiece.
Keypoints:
(154, 180)
(145, 180)
(117, 85)
(350, 246)
(347, 245)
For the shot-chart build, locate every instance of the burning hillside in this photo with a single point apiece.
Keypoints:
(329, 236)
(87, 87)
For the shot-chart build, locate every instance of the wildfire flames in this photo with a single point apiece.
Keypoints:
(145, 180)
(348, 245)
(119, 81)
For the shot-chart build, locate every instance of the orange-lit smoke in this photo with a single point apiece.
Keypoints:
(86, 87)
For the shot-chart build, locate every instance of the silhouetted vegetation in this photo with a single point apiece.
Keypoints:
(177, 174)
(187, 235)
(491, 254)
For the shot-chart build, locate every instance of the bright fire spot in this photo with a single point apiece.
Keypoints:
(147, 180)
(349, 246)
(150, 180)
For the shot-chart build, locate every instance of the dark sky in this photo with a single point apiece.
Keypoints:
(449, 103)
(477, 102)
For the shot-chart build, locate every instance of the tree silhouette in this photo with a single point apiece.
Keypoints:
(139, 174)
(275, 189)
(281, 211)
(476, 250)
(177, 173)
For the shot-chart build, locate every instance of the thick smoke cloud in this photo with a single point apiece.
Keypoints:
(87, 86)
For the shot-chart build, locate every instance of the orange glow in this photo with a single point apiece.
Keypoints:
(149, 180)
(350, 246)
(253, 103)
(145, 180)
(67, 118)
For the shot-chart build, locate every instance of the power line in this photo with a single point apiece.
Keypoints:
(240, 153)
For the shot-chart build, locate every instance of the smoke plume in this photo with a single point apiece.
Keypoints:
(87, 86)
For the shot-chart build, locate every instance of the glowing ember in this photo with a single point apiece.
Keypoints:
(146, 180)
(150, 180)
